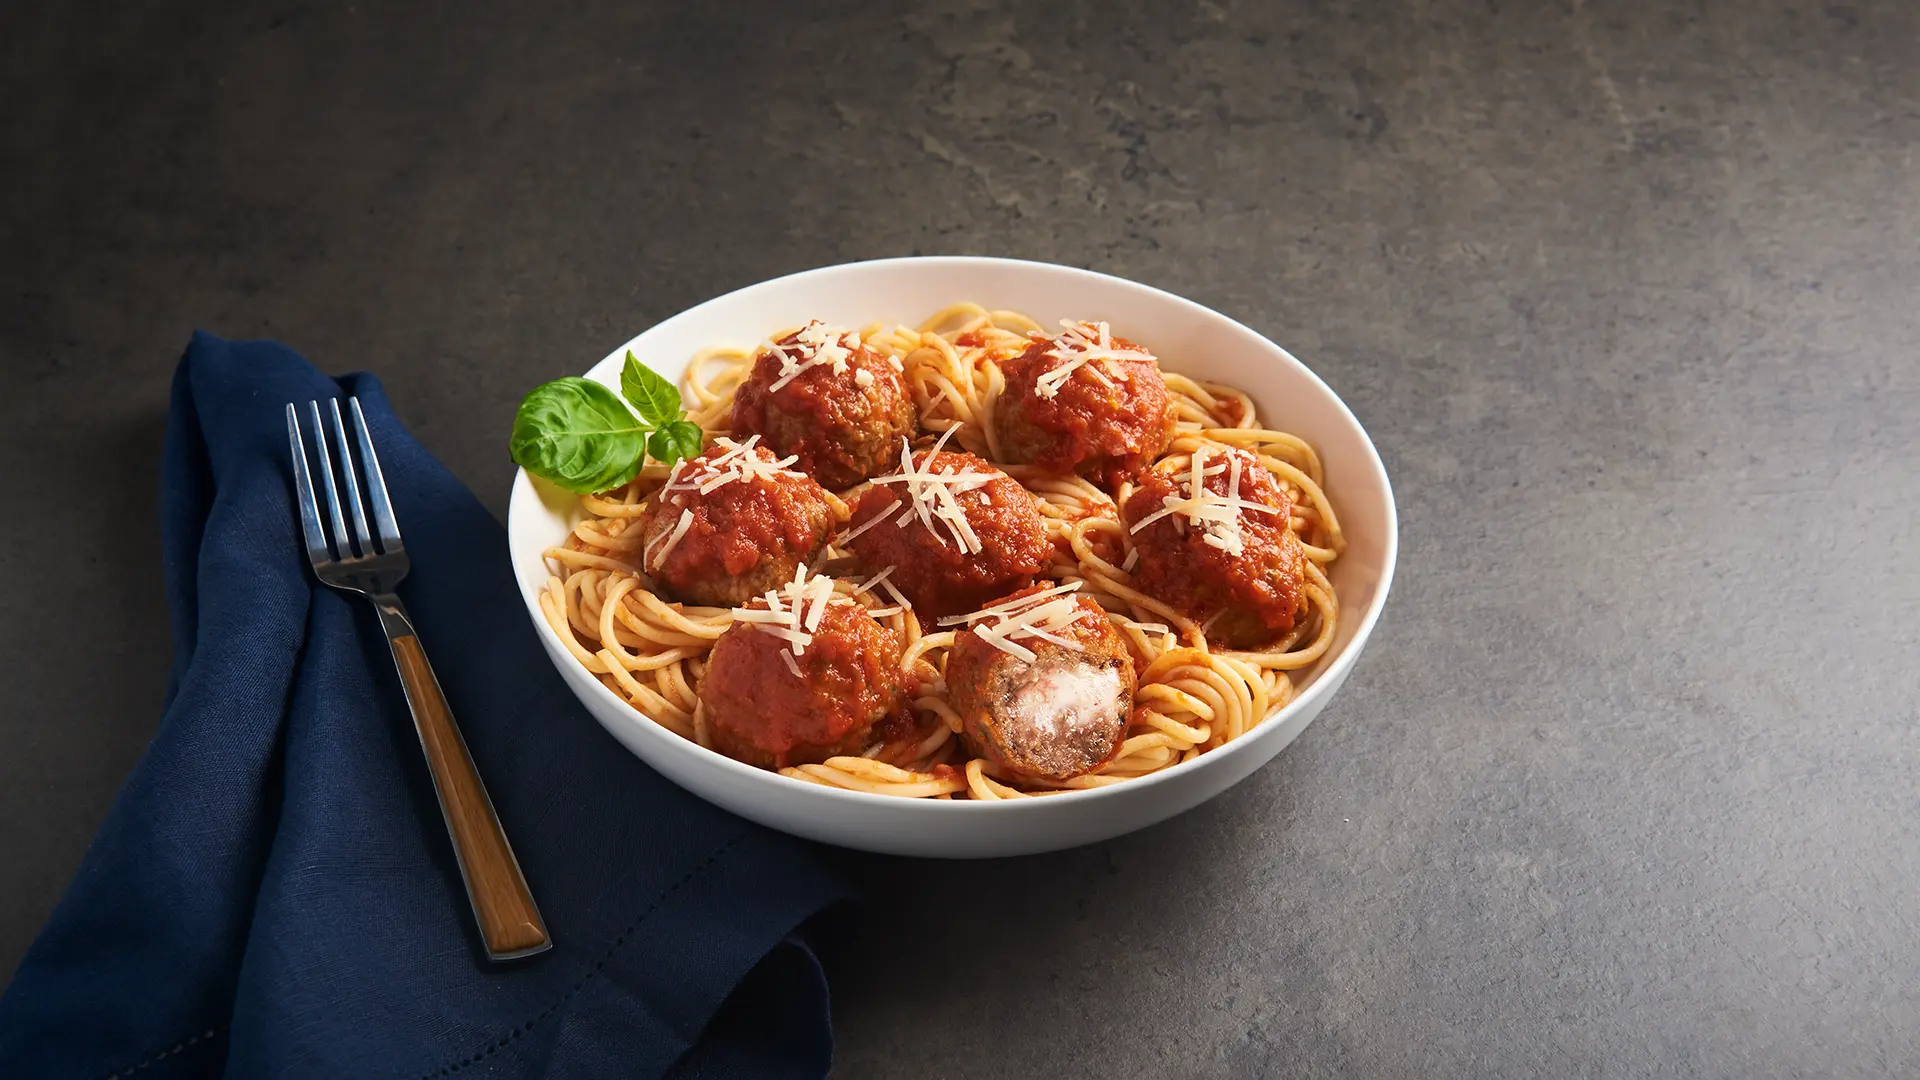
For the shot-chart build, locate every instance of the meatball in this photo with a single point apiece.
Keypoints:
(1245, 574)
(748, 522)
(1060, 715)
(942, 567)
(1106, 419)
(764, 712)
(826, 398)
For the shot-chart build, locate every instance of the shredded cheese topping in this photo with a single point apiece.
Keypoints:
(653, 559)
(1085, 345)
(1217, 516)
(815, 344)
(880, 582)
(742, 461)
(1039, 616)
(793, 612)
(846, 538)
(931, 496)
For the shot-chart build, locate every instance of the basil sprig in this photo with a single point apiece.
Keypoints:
(580, 435)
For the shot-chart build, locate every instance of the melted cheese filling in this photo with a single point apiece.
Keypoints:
(1063, 701)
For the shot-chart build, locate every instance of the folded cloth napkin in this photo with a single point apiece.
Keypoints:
(274, 894)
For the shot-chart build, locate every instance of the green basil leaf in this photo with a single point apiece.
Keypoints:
(654, 397)
(680, 439)
(578, 434)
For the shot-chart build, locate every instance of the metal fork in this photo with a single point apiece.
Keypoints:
(510, 924)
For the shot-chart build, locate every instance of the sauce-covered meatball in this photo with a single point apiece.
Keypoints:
(1226, 555)
(1084, 402)
(1056, 716)
(731, 524)
(767, 707)
(956, 531)
(821, 395)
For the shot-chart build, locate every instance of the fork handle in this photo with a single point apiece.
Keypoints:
(510, 924)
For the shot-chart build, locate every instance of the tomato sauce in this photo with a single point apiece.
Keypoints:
(1026, 716)
(1107, 431)
(1257, 594)
(842, 431)
(929, 568)
(736, 527)
(759, 713)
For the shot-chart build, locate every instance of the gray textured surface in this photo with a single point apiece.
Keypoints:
(1627, 782)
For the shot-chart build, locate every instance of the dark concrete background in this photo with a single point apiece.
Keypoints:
(1626, 784)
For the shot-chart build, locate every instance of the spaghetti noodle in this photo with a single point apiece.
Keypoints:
(1192, 696)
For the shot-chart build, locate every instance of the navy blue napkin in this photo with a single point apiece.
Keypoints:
(273, 894)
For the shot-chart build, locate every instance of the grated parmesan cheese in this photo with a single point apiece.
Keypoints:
(1011, 648)
(653, 561)
(1039, 616)
(894, 594)
(798, 640)
(816, 344)
(742, 461)
(931, 496)
(795, 621)
(756, 615)
(1087, 346)
(1216, 515)
(1010, 605)
(847, 537)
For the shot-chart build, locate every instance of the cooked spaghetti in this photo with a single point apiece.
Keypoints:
(1190, 695)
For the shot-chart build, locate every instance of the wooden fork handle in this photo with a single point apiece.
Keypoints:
(510, 924)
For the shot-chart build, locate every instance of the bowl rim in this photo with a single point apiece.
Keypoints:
(1328, 680)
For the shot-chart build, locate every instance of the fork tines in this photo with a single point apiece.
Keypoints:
(360, 544)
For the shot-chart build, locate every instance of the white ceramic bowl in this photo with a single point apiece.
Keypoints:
(1188, 338)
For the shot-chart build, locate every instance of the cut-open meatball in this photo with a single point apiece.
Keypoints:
(1084, 402)
(769, 707)
(956, 531)
(1220, 551)
(839, 405)
(731, 524)
(1044, 686)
